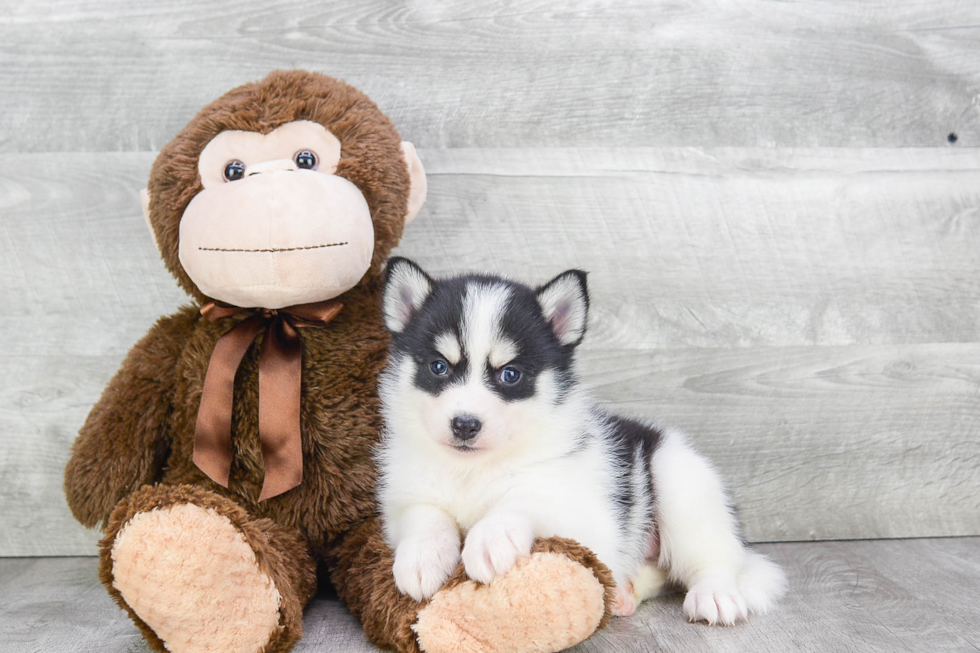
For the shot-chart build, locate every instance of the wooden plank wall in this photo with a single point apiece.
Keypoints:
(784, 244)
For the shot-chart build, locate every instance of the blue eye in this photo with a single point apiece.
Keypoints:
(439, 367)
(510, 375)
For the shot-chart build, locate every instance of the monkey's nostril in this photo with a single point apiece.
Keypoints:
(465, 427)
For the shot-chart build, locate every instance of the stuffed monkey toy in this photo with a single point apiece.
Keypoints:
(231, 455)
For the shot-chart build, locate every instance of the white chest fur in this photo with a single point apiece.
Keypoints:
(568, 495)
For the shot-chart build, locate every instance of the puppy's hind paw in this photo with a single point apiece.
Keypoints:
(624, 602)
(715, 599)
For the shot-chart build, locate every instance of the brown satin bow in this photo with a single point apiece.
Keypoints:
(280, 368)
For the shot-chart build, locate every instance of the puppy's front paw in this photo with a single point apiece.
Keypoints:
(715, 598)
(423, 565)
(494, 544)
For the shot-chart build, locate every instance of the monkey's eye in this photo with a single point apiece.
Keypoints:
(510, 375)
(439, 367)
(305, 159)
(234, 170)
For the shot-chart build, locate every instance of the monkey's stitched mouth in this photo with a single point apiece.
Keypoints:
(279, 249)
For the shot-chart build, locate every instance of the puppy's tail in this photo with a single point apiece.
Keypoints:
(761, 582)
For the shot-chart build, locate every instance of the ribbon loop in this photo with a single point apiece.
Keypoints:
(280, 374)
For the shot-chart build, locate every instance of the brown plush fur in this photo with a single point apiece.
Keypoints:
(367, 585)
(141, 430)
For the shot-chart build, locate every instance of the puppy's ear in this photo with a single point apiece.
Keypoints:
(565, 303)
(406, 288)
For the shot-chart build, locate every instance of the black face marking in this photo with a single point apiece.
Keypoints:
(432, 383)
(538, 349)
(441, 313)
(521, 322)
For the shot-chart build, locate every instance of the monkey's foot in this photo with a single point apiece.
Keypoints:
(545, 603)
(198, 575)
(189, 574)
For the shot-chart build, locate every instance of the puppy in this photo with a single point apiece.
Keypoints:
(489, 434)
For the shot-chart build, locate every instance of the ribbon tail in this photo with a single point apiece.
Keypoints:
(280, 374)
(212, 432)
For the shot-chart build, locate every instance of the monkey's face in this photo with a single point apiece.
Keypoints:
(289, 190)
(274, 226)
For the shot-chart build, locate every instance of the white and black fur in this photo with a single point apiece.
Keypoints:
(467, 449)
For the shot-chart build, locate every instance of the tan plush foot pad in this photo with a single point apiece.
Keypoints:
(191, 576)
(546, 603)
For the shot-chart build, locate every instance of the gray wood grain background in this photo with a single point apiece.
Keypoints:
(118, 75)
(784, 245)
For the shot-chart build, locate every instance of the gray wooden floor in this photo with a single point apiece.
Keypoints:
(887, 595)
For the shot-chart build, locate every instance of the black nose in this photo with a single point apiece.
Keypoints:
(465, 427)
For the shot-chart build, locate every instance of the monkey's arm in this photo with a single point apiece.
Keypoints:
(124, 442)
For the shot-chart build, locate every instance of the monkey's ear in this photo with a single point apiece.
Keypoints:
(419, 186)
(407, 286)
(564, 302)
(145, 202)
